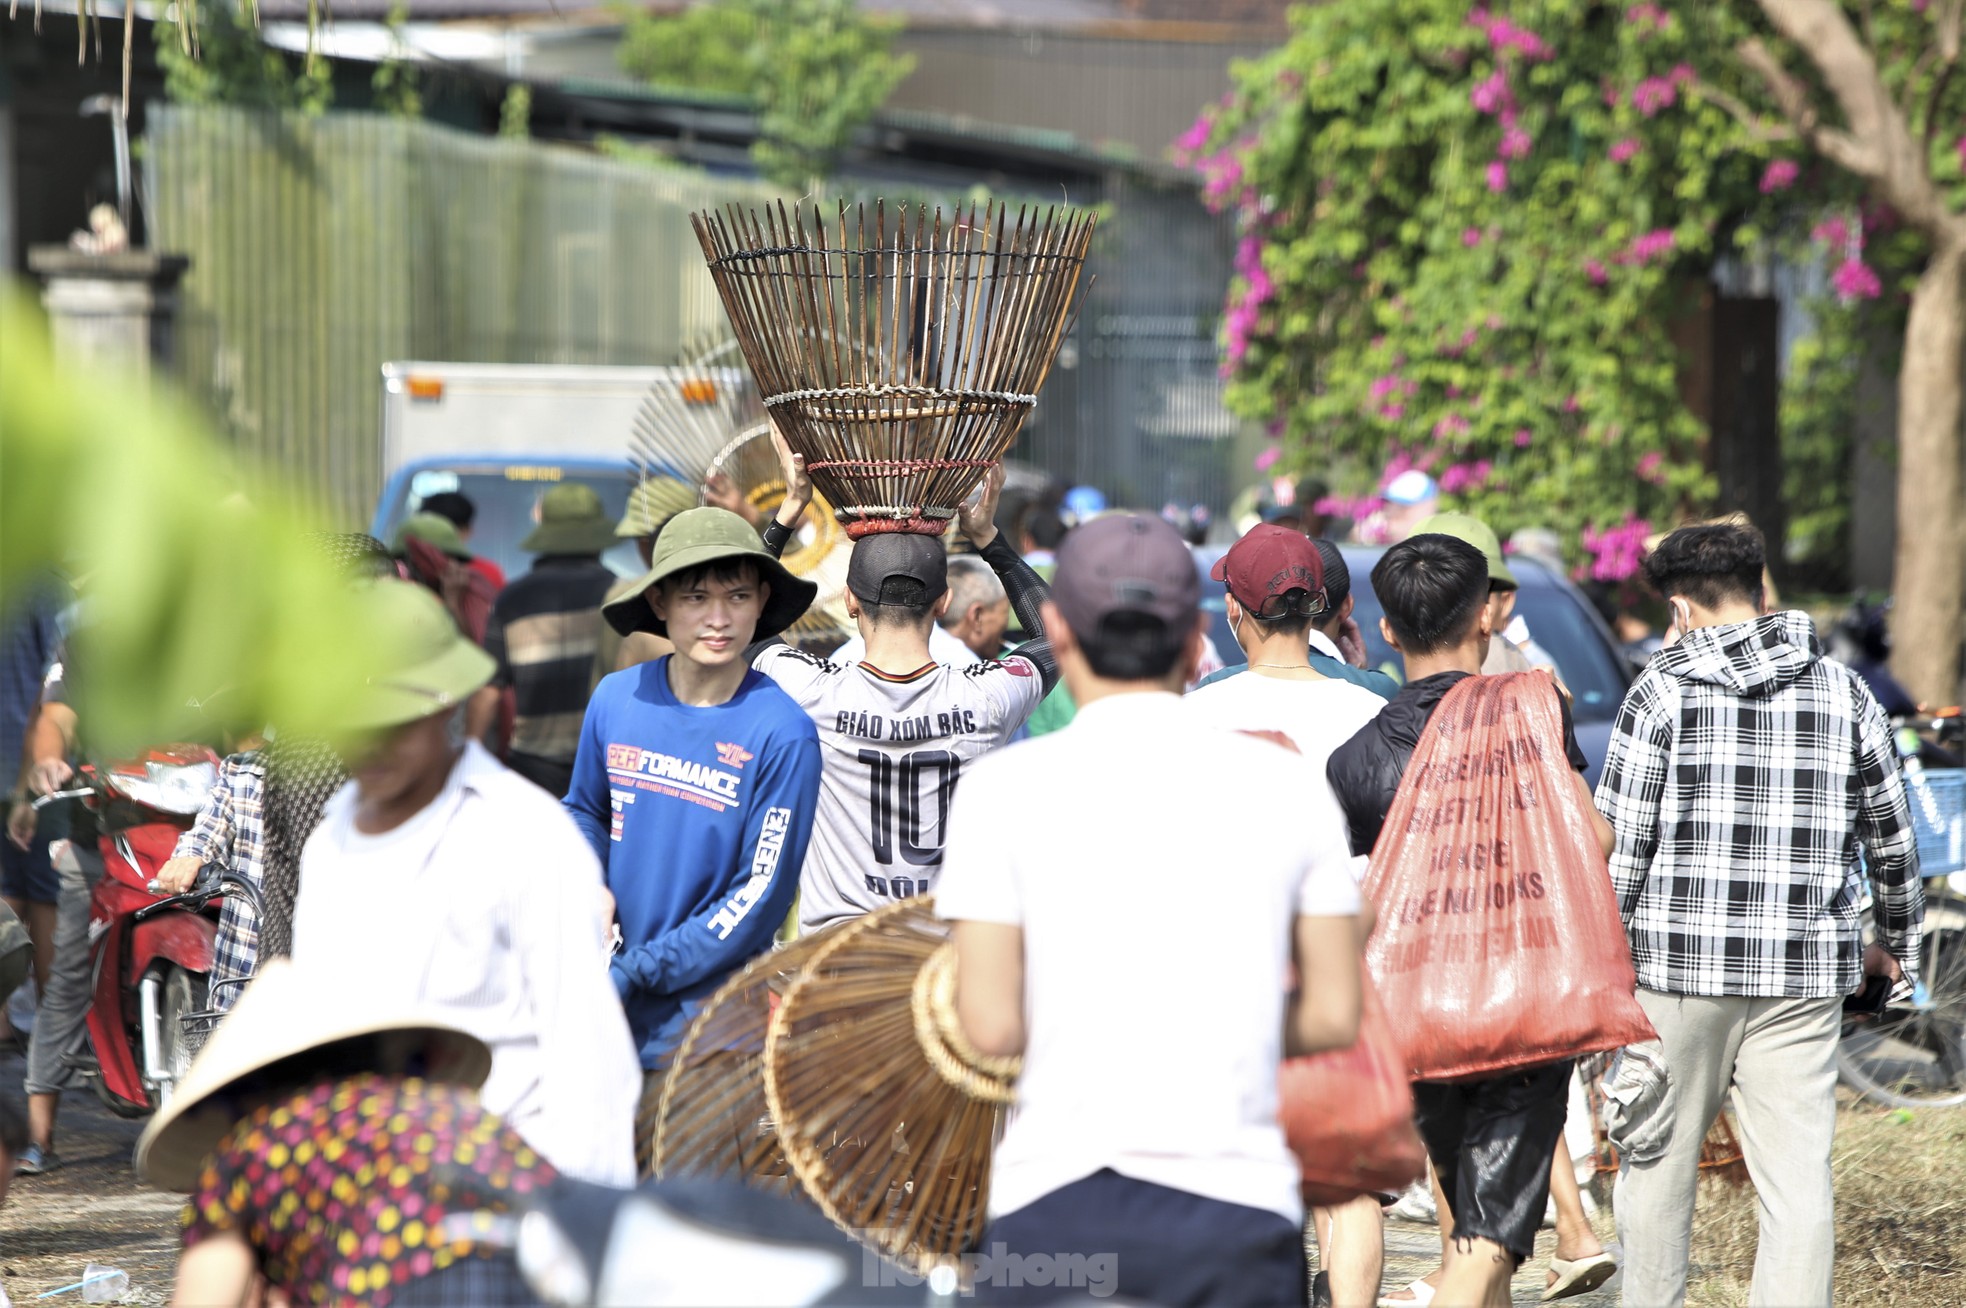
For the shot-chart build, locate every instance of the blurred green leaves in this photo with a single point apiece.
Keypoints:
(201, 594)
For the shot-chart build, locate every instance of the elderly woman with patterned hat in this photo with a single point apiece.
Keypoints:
(340, 1152)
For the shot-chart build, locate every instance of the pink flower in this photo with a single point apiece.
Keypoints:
(1522, 438)
(1648, 247)
(1392, 412)
(1832, 232)
(1647, 14)
(1624, 150)
(1515, 143)
(1595, 270)
(1471, 237)
(1654, 94)
(1452, 424)
(1491, 94)
(1268, 458)
(1498, 177)
(1617, 550)
(1384, 386)
(1681, 74)
(1779, 176)
(1648, 466)
(1612, 96)
(1855, 280)
(1196, 136)
(1961, 147)
(1570, 404)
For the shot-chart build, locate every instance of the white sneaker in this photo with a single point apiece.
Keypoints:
(1416, 1205)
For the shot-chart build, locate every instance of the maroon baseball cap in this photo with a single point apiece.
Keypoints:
(1267, 562)
(1126, 563)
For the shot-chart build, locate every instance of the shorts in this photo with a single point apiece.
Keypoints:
(27, 874)
(1491, 1142)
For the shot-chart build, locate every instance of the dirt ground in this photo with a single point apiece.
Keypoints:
(1900, 1208)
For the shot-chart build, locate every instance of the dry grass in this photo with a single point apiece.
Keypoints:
(1900, 1215)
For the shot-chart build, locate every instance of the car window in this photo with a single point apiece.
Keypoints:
(1557, 622)
(507, 500)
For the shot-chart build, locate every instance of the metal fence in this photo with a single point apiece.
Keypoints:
(322, 247)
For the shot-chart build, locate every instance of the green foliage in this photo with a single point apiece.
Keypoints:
(201, 585)
(394, 82)
(515, 112)
(1818, 411)
(211, 53)
(1466, 239)
(815, 71)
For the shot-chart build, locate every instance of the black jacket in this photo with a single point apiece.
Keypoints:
(1364, 771)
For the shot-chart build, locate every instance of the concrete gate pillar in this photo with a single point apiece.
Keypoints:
(114, 309)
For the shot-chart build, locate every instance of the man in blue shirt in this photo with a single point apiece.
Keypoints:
(696, 778)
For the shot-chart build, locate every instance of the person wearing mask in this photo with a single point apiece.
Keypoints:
(1490, 1141)
(1145, 1130)
(697, 778)
(545, 633)
(1331, 629)
(471, 892)
(461, 512)
(1753, 787)
(898, 729)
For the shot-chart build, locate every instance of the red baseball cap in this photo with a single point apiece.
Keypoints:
(1266, 563)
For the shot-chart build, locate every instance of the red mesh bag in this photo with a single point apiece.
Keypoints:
(1348, 1114)
(1498, 943)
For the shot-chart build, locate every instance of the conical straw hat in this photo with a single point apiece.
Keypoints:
(882, 1108)
(287, 1010)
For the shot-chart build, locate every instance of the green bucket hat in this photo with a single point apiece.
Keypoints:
(434, 530)
(1467, 527)
(699, 536)
(652, 503)
(571, 521)
(415, 660)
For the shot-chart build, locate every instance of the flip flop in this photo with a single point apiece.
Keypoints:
(1579, 1277)
(1423, 1294)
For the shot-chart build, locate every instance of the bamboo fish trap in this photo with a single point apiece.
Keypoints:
(885, 1114)
(901, 351)
(708, 1116)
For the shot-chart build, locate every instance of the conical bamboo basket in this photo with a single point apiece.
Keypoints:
(708, 1116)
(886, 1115)
(898, 350)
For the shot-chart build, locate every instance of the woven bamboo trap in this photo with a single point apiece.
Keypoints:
(702, 420)
(708, 1116)
(885, 1113)
(898, 351)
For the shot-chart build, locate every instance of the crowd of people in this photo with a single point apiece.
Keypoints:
(569, 807)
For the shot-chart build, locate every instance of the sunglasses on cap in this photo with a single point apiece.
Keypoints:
(1296, 603)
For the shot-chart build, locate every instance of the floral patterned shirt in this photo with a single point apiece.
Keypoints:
(348, 1189)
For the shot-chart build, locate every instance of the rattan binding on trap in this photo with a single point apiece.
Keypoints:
(898, 350)
(888, 1129)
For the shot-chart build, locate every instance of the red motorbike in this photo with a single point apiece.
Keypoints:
(151, 954)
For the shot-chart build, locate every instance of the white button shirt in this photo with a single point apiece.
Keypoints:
(488, 905)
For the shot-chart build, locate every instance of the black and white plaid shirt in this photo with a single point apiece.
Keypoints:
(1744, 771)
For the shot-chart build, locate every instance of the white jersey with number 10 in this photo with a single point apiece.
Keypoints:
(895, 747)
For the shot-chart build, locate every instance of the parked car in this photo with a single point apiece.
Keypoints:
(1562, 621)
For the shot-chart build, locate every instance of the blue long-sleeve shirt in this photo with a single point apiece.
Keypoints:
(700, 817)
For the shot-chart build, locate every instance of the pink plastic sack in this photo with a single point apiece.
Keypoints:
(1498, 943)
(1348, 1114)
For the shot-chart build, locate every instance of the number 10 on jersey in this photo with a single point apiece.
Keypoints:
(897, 806)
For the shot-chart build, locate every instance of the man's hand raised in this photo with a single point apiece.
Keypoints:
(978, 515)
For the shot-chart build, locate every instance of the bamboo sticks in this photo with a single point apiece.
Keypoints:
(902, 368)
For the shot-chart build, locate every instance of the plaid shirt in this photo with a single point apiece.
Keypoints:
(231, 831)
(1744, 771)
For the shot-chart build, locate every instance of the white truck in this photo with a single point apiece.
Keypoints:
(501, 433)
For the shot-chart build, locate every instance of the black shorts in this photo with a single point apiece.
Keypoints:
(26, 874)
(1491, 1143)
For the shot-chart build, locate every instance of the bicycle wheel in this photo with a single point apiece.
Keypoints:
(1914, 1055)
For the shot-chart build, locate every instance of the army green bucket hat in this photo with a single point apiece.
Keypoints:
(414, 659)
(432, 529)
(709, 535)
(572, 520)
(1467, 527)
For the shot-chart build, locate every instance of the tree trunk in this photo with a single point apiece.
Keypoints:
(1931, 557)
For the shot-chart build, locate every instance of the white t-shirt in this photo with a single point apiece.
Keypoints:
(1156, 865)
(1318, 716)
(488, 907)
(895, 747)
(942, 647)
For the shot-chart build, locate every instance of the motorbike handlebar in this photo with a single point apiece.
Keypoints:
(42, 801)
(202, 894)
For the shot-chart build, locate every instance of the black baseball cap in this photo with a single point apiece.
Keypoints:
(1126, 563)
(898, 567)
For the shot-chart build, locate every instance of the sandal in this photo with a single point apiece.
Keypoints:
(1580, 1276)
(1423, 1294)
